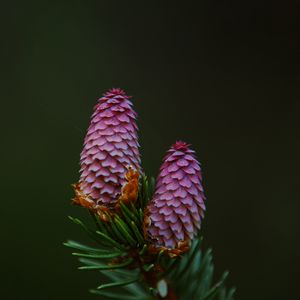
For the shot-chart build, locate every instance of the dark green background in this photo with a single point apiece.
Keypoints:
(222, 75)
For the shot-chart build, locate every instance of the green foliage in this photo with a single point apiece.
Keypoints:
(195, 271)
(121, 254)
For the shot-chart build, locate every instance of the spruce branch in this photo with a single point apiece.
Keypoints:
(145, 235)
(155, 275)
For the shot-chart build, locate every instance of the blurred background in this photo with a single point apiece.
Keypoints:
(221, 75)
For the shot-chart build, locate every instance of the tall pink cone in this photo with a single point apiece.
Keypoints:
(110, 147)
(173, 216)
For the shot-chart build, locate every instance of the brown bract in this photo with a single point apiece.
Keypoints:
(85, 201)
(82, 199)
(130, 189)
(129, 193)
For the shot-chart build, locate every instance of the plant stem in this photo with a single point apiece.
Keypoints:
(151, 277)
(95, 220)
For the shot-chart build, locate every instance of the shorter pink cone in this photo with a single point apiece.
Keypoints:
(173, 216)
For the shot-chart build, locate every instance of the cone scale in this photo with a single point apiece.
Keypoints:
(111, 150)
(173, 216)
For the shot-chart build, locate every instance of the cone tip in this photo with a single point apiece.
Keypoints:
(181, 145)
(115, 92)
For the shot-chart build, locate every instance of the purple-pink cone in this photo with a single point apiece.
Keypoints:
(175, 212)
(110, 147)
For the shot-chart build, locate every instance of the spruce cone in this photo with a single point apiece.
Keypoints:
(173, 216)
(110, 148)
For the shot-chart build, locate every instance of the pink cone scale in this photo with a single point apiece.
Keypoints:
(110, 147)
(175, 212)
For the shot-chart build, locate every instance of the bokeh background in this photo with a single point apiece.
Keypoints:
(222, 75)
